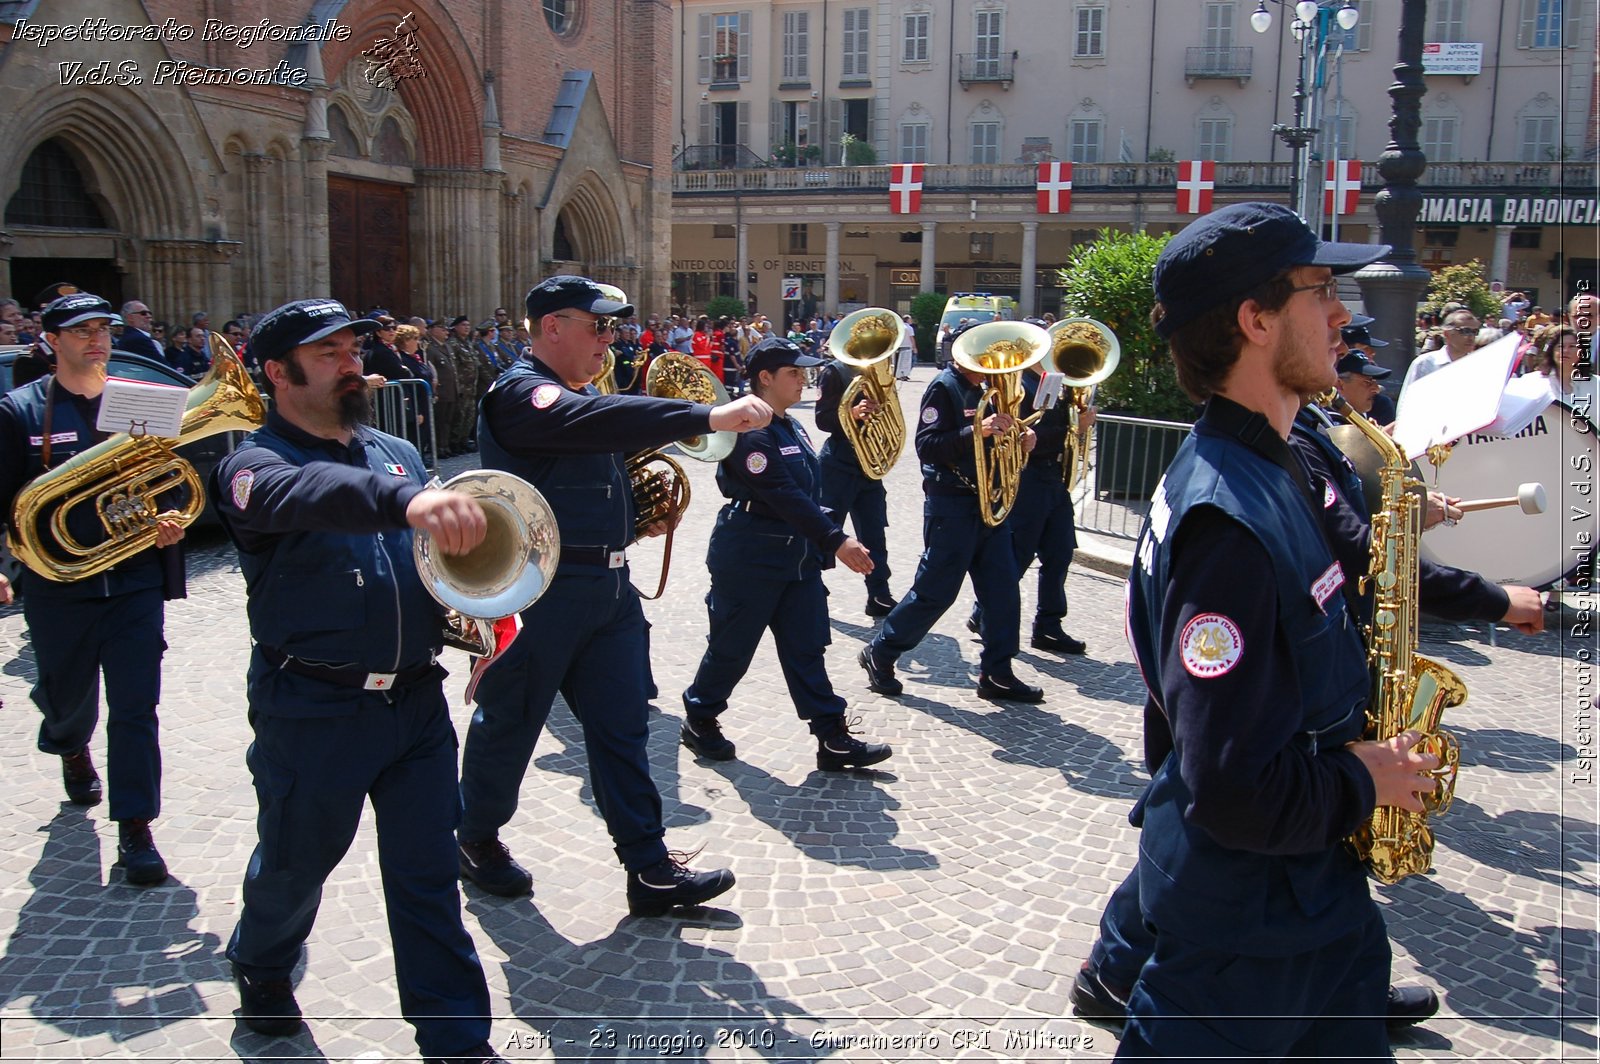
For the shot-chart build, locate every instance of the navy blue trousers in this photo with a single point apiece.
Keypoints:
(585, 637)
(312, 777)
(846, 491)
(1042, 527)
(1196, 1003)
(74, 641)
(743, 605)
(956, 543)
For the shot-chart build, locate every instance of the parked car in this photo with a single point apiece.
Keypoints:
(202, 454)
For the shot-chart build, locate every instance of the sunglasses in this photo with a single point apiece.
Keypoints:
(602, 325)
(1464, 330)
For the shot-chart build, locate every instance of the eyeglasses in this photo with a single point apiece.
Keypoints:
(602, 325)
(1327, 291)
(1464, 330)
(88, 332)
(144, 313)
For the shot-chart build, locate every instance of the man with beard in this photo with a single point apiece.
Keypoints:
(346, 698)
(108, 623)
(1267, 940)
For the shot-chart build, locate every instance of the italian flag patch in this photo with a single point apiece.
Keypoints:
(395, 469)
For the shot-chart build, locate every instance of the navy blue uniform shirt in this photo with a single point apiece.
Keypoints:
(944, 434)
(776, 468)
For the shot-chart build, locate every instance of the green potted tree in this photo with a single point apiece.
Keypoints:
(857, 152)
(926, 310)
(1108, 280)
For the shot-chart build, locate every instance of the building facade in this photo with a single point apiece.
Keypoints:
(788, 118)
(430, 157)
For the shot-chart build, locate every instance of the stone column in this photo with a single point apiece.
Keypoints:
(830, 278)
(741, 268)
(316, 271)
(1500, 260)
(1030, 267)
(929, 241)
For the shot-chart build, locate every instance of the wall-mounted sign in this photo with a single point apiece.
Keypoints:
(791, 288)
(1456, 57)
(1509, 210)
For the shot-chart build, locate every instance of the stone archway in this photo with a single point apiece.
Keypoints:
(586, 235)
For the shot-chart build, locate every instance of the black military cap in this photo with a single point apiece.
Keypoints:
(1226, 253)
(1358, 334)
(568, 292)
(75, 309)
(458, 319)
(774, 353)
(1357, 364)
(52, 292)
(302, 322)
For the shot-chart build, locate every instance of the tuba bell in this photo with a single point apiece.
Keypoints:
(1086, 352)
(503, 575)
(867, 341)
(605, 382)
(1001, 351)
(124, 480)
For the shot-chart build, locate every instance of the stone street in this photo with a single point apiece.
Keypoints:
(935, 910)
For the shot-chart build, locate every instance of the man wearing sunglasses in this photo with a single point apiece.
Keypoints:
(544, 421)
(1460, 330)
(136, 336)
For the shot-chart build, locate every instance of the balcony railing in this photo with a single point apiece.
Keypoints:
(1217, 63)
(982, 68)
(1089, 177)
(717, 157)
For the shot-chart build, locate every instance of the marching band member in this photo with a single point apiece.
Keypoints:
(956, 542)
(766, 558)
(848, 490)
(586, 636)
(110, 623)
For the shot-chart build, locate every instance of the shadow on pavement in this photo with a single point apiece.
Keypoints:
(1509, 750)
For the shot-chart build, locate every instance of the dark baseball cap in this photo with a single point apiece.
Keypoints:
(774, 353)
(302, 322)
(1358, 334)
(1355, 363)
(568, 292)
(1228, 252)
(73, 310)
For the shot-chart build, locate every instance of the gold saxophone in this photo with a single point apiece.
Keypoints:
(867, 340)
(1409, 692)
(1000, 351)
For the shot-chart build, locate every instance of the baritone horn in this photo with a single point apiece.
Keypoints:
(120, 484)
(1001, 351)
(867, 341)
(662, 495)
(504, 574)
(1086, 352)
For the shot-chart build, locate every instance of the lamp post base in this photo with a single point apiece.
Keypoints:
(1391, 292)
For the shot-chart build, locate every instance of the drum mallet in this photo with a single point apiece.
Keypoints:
(1530, 497)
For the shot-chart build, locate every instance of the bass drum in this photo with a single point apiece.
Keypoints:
(1504, 544)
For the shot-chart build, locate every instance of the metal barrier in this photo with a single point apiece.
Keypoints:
(394, 410)
(1127, 456)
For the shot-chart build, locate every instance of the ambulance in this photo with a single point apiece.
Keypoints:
(978, 307)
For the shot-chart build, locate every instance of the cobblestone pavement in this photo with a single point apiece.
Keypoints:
(934, 910)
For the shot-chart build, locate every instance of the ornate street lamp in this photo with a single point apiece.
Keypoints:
(1311, 27)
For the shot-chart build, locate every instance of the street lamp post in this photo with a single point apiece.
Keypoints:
(1311, 27)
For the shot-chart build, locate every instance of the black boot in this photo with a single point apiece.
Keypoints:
(141, 865)
(704, 737)
(838, 750)
(880, 677)
(82, 781)
(489, 864)
(267, 1006)
(670, 882)
(1008, 689)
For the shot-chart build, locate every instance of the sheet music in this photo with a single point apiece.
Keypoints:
(1455, 399)
(141, 409)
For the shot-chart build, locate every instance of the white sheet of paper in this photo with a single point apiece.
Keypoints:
(1456, 399)
(141, 408)
(1525, 399)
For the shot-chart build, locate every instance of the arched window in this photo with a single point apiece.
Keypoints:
(344, 138)
(390, 146)
(562, 15)
(54, 193)
(561, 247)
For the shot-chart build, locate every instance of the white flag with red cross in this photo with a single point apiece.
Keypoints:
(905, 188)
(1341, 186)
(1055, 188)
(1196, 179)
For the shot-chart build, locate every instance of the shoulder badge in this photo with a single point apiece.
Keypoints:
(1331, 580)
(1328, 496)
(545, 395)
(929, 415)
(1210, 645)
(240, 485)
(395, 469)
(755, 462)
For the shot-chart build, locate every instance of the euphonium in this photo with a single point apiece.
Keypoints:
(1409, 692)
(867, 341)
(663, 495)
(1001, 351)
(125, 478)
(504, 574)
(605, 382)
(1086, 352)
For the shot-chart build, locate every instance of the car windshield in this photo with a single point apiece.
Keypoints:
(953, 318)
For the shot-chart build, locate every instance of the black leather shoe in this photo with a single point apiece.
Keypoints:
(1008, 689)
(489, 864)
(1059, 642)
(1094, 999)
(880, 677)
(141, 865)
(973, 626)
(880, 605)
(267, 1006)
(1409, 1005)
(838, 750)
(669, 883)
(705, 738)
(82, 781)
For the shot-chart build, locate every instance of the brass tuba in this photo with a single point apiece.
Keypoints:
(504, 574)
(662, 495)
(867, 341)
(1086, 352)
(1001, 351)
(124, 478)
(605, 382)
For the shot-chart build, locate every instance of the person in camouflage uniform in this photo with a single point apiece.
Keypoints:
(446, 394)
(467, 390)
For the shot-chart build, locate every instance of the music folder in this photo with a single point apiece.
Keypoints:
(141, 408)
